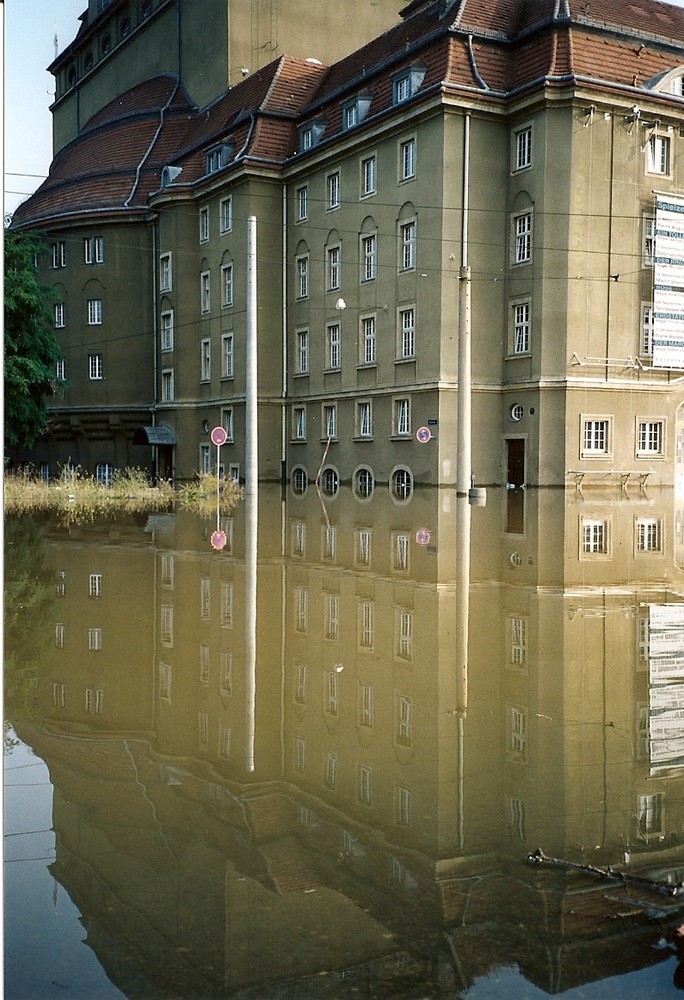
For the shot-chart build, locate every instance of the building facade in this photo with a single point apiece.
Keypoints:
(509, 161)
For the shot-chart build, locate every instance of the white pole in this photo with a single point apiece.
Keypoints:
(252, 498)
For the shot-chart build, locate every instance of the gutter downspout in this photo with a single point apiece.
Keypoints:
(284, 346)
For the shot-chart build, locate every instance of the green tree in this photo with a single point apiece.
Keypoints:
(31, 351)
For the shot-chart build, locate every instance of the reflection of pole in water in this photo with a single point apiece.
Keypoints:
(251, 494)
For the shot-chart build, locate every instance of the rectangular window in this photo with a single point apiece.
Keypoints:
(224, 740)
(302, 277)
(405, 721)
(302, 203)
(658, 155)
(60, 370)
(407, 160)
(362, 548)
(167, 331)
(165, 277)
(167, 392)
(332, 616)
(94, 312)
(366, 624)
(364, 418)
(648, 241)
(521, 327)
(596, 437)
(333, 190)
(205, 292)
(226, 215)
(227, 285)
(365, 705)
(333, 269)
(404, 635)
(517, 819)
(333, 699)
(205, 459)
(166, 627)
(403, 806)
(369, 246)
(407, 327)
(368, 340)
(408, 246)
(402, 417)
(649, 534)
(59, 315)
(522, 153)
(518, 641)
(402, 89)
(333, 346)
(227, 355)
(650, 815)
(226, 673)
(227, 422)
(365, 784)
(650, 437)
(93, 250)
(302, 352)
(59, 254)
(350, 115)
(299, 423)
(95, 639)
(203, 225)
(205, 360)
(331, 770)
(594, 536)
(301, 609)
(368, 176)
(300, 754)
(299, 538)
(400, 551)
(522, 238)
(646, 345)
(202, 730)
(226, 604)
(95, 366)
(95, 585)
(165, 681)
(330, 420)
(300, 684)
(518, 731)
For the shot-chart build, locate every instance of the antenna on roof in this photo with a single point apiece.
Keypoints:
(56, 42)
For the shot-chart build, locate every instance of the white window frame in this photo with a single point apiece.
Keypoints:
(302, 347)
(363, 546)
(94, 312)
(226, 285)
(333, 268)
(332, 601)
(364, 483)
(205, 292)
(168, 392)
(648, 242)
(299, 423)
(369, 256)
(333, 345)
(368, 340)
(329, 421)
(401, 416)
(95, 367)
(407, 159)
(404, 624)
(407, 234)
(407, 333)
(522, 147)
(302, 269)
(521, 323)
(648, 534)
(166, 272)
(204, 224)
(518, 631)
(167, 330)
(364, 418)
(369, 176)
(93, 250)
(227, 356)
(60, 314)
(596, 436)
(646, 330)
(366, 625)
(226, 214)
(59, 254)
(366, 713)
(650, 437)
(302, 203)
(659, 154)
(227, 422)
(401, 484)
(522, 233)
(333, 186)
(60, 370)
(594, 536)
(517, 733)
(205, 360)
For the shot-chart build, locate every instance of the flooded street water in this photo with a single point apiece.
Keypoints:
(312, 762)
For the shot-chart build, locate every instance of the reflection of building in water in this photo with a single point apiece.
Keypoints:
(366, 820)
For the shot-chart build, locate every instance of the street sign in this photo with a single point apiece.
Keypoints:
(218, 539)
(219, 436)
(423, 434)
(422, 536)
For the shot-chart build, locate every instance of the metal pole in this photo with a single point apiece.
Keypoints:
(252, 500)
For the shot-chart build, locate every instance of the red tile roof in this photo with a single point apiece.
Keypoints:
(488, 47)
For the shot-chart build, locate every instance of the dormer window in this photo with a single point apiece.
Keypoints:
(169, 175)
(311, 134)
(677, 86)
(217, 157)
(406, 83)
(355, 111)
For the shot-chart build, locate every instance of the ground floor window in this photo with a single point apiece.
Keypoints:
(104, 473)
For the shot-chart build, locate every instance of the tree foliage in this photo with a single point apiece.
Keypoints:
(31, 351)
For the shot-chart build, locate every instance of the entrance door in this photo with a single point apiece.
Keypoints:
(515, 485)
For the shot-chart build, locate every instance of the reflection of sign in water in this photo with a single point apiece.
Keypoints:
(423, 434)
(666, 686)
(422, 536)
(218, 539)
(219, 436)
(668, 284)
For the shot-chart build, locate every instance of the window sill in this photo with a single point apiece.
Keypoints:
(362, 437)
(405, 361)
(517, 354)
(400, 437)
(227, 378)
(301, 374)
(367, 364)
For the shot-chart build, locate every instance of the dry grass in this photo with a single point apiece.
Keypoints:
(78, 498)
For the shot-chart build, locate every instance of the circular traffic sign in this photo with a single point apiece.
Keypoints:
(422, 536)
(423, 434)
(219, 436)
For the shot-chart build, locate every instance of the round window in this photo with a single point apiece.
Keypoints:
(517, 412)
(300, 481)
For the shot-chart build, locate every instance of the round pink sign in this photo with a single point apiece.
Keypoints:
(219, 436)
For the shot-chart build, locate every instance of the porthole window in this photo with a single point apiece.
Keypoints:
(402, 484)
(364, 483)
(300, 481)
(330, 482)
(517, 412)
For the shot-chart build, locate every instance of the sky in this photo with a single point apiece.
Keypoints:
(29, 46)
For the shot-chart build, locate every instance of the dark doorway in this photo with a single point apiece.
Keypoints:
(515, 485)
